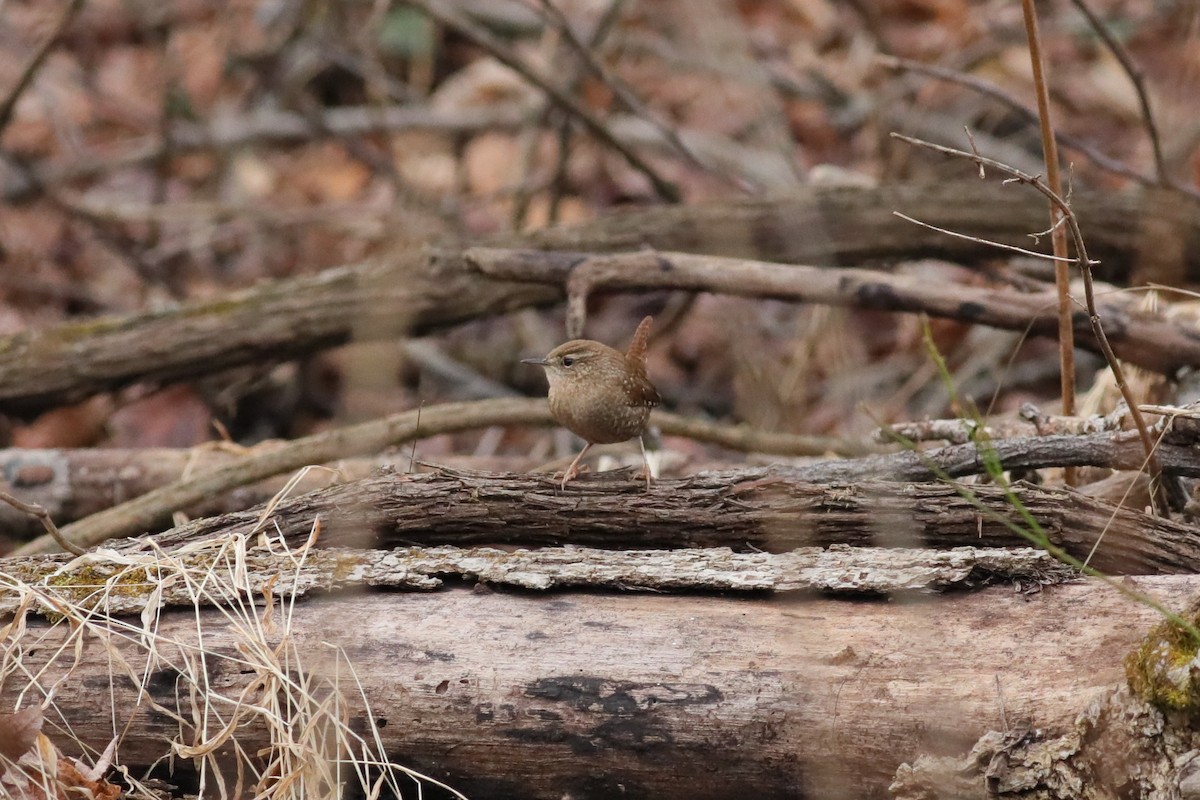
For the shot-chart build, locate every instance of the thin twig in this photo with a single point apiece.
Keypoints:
(986, 88)
(1137, 78)
(35, 63)
(558, 183)
(505, 55)
(1154, 468)
(530, 137)
(988, 242)
(1000, 697)
(604, 27)
(619, 88)
(43, 516)
(158, 271)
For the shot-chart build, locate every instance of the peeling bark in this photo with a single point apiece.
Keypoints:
(127, 583)
(1117, 747)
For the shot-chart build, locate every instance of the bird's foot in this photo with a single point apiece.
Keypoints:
(645, 474)
(570, 474)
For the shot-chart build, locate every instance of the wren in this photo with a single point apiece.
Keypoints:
(601, 394)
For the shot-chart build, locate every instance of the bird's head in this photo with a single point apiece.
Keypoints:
(579, 362)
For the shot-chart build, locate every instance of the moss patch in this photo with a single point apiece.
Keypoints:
(1162, 671)
(87, 585)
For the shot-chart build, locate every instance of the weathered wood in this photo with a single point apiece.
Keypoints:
(773, 510)
(603, 695)
(414, 292)
(125, 583)
(1117, 747)
(74, 483)
(144, 512)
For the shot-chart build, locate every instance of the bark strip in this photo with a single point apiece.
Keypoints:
(126, 583)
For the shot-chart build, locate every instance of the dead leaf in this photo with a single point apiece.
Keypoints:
(76, 784)
(18, 732)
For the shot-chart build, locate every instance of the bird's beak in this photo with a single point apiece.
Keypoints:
(541, 362)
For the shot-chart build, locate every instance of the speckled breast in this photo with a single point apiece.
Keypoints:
(599, 418)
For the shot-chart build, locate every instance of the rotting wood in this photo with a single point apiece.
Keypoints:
(665, 696)
(764, 509)
(1117, 746)
(72, 483)
(411, 292)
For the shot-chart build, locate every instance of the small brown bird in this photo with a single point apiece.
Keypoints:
(601, 394)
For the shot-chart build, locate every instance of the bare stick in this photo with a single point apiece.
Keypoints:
(43, 516)
(988, 89)
(1143, 338)
(1058, 236)
(1072, 224)
(1137, 78)
(1000, 245)
(619, 88)
(505, 55)
(35, 63)
(524, 192)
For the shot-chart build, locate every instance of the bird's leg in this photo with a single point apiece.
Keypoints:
(645, 473)
(572, 471)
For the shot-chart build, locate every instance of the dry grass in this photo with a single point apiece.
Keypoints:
(300, 701)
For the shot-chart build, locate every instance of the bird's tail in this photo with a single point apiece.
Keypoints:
(637, 347)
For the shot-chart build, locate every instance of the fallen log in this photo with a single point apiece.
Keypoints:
(604, 695)
(774, 510)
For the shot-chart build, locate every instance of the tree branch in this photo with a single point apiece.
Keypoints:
(1143, 338)
(413, 292)
(505, 55)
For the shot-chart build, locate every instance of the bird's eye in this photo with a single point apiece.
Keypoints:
(568, 360)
